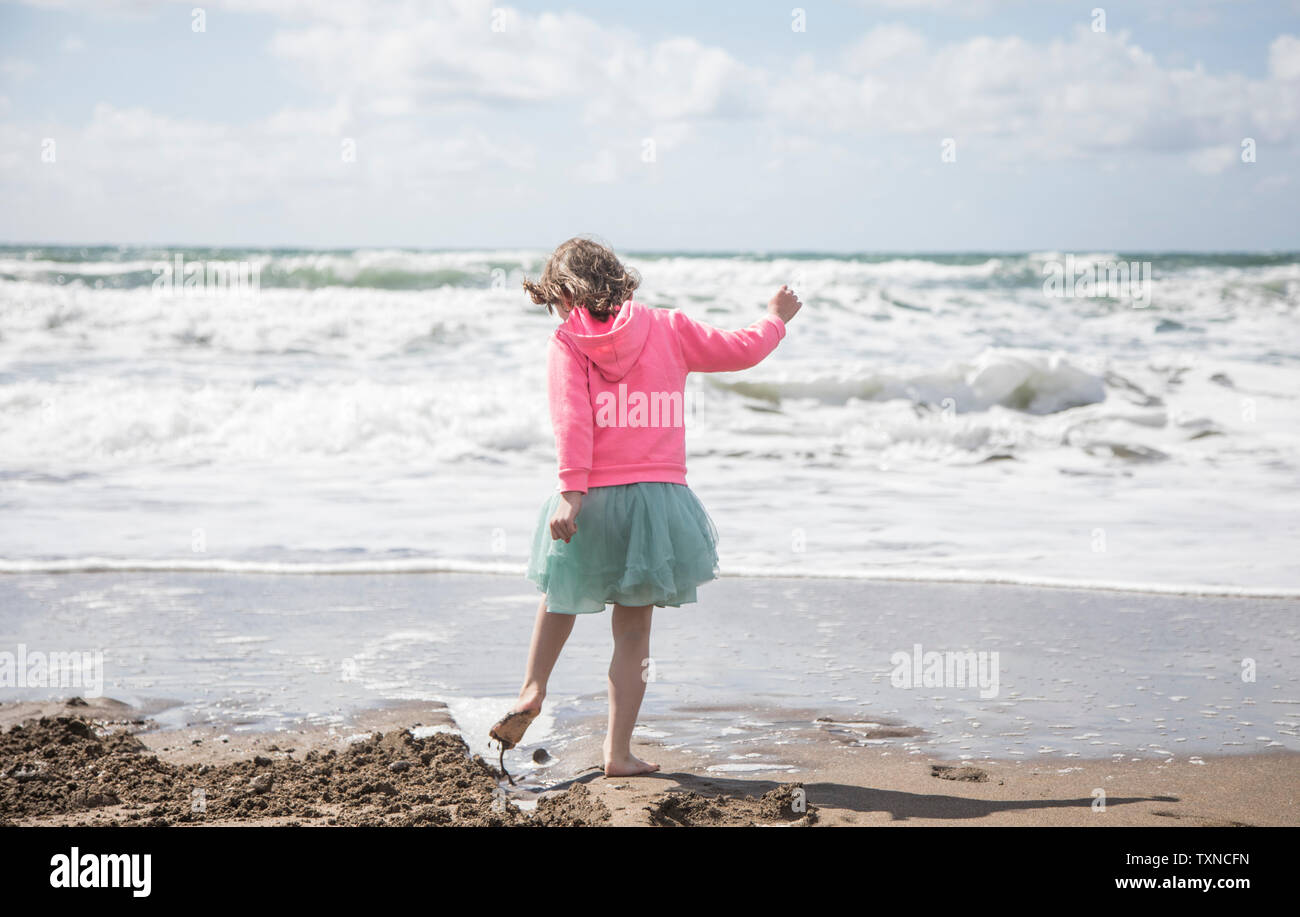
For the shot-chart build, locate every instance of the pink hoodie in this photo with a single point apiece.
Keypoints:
(617, 389)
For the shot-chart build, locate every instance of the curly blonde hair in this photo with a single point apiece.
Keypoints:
(585, 273)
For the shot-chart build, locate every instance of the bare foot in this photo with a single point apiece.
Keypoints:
(530, 701)
(628, 766)
(510, 729)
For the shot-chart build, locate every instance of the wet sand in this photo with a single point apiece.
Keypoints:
(758, 664)
(100, 762)
(366, 700)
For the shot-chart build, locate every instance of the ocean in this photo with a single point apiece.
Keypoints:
(963, 418)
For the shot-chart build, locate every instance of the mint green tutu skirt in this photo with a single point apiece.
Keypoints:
(647, 543)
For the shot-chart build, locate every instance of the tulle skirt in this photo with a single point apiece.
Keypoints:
(647, 543)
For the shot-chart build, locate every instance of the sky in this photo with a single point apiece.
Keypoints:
(841, 126)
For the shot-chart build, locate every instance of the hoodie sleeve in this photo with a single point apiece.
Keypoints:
(571, 413)
(712, 350)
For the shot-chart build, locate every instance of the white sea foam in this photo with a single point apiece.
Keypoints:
(418, 565)
(926, 417)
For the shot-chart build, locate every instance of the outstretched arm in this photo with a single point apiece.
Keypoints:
(712, 350)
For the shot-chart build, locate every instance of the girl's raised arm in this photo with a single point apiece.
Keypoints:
(711, 350)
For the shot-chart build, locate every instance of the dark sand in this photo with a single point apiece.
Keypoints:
(98, 763)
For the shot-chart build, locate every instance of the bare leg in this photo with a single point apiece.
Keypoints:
(631, 628)
(550, 631)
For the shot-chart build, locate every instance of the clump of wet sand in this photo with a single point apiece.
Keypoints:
(575, 807)
(83, 772)
(785, 804)
(963, 774)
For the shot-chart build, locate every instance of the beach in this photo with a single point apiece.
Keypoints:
(965, 520)
(766, 687)
(952, 345)
(197, 777)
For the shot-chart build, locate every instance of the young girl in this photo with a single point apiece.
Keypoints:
(623, 527)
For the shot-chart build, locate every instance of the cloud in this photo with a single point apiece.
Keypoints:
(1213, 160)
(601, 169)
(136, 154)
(16, 68)
(380, 63)
(470, 54)
(1093, 94)
(429, 93)
(968, 8)
(1284, 58)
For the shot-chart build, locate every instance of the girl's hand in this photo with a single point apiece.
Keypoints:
(784, 304)
(564, 522)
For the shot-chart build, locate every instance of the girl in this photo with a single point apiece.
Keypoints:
(623, 527)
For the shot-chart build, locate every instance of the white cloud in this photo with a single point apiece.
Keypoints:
(1284, 58)
(1213, 160)
(380, 63)
(680, 79)
(134, 153)
(957, 7)
(1093, 93)
(431, 92)
(392, 65)
(16, 68)
(601, 169)
(883, 46)
(1274, 184)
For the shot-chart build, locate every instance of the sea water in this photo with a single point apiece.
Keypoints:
(933, 417)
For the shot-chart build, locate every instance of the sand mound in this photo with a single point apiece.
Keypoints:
(68, 765)
(574, 808)
(963, 774)
(785, 804)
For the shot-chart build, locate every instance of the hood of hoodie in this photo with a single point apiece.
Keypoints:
(614, 344)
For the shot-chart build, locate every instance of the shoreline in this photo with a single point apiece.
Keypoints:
(407, 764)
(423, 567)
(758, 667)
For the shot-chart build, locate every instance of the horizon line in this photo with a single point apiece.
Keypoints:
(694, 252)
